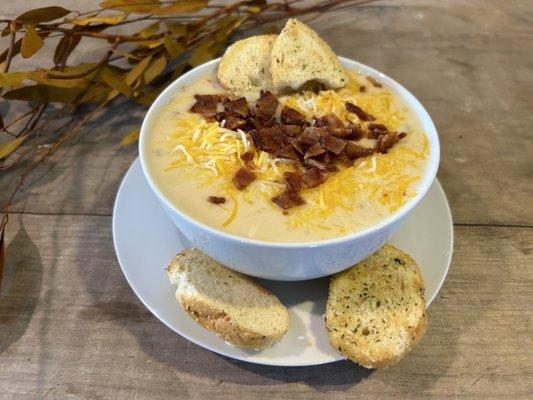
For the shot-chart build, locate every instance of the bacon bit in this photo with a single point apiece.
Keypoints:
(362, 114)
(293, 181)
(312, 177)
(385, 142)
(314, 151)
(286, 200)
(311, 162)
(330, 121)
(248, 159)
(289, 152)
(291, 130)
(333, 144)
(243, 177)
(267, 105)
(374, 82)
(354, 151)
(343, 157)
(206, 104)
(289, 116)
(377, 130)
(269, 139)
(311, 136)
(362, 89)
(216, 199)
(239, 106)
(233, 121)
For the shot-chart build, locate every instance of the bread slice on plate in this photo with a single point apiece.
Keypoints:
(299, 56)
(375, 311)
(229, 303)
(245, 66)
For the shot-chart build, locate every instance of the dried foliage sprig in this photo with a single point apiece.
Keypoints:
(176, 36)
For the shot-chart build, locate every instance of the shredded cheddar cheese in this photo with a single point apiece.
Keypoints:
(382, 182)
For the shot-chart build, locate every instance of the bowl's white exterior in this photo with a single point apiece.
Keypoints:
(291, 261)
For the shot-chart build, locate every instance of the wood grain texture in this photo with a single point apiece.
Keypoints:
(469, 63)
(71, 326)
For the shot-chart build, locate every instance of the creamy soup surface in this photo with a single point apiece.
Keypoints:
(191, 159)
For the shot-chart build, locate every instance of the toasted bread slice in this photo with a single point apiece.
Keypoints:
(239, 310)
(300, 56)
(245, 66)
(375, 311)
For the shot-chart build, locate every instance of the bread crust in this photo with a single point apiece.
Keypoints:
(210, 311)
(245, 66)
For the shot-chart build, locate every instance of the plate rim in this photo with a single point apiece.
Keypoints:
(130, 172)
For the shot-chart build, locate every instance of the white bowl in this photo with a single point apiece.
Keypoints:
(291, 261)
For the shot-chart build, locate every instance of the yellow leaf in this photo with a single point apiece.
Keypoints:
(44, 94)
(137, 71)
(44, 14)
(31, 42)
(9, 147)
(177, 30)
(155, 69)
(201, 54)
(149, 31)
(13, 79)
(116, 81)
(150, 43)
(102, 19)
(174, 49)
(182, 7)
(131, 137)
(139, 6)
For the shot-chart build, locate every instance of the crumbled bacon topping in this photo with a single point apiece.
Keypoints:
(286, 200)
(362, 114)
(317, 145)
(216, 199)
(243, 177)
(206, 104)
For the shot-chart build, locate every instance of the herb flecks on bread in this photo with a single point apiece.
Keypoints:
(300, 56)
(226, 302)
(375, 312)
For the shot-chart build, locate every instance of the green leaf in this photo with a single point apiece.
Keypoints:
(139, 6)
(134, 73)
(9, 147)
(174, 48)
(131, 137)
(102, 19)
(44, 14)
(181, 7)
(155, 69)
(44, 94)
(31, 42)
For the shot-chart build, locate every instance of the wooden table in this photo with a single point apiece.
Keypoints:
(71, 328)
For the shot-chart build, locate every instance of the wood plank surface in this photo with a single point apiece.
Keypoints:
(469, 63)
(71, 328)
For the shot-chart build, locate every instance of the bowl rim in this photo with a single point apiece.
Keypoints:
(412, 103)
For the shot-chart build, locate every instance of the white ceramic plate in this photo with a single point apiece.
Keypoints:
(145, 240)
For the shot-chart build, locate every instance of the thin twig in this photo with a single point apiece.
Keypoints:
(13, 27)
(88, 71)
